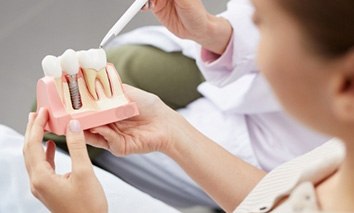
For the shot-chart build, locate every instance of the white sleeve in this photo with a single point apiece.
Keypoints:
(242, 49)
(235, 70)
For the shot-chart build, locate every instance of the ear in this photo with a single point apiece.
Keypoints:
(344, 88)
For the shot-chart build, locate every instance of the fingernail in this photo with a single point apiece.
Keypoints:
(30, 115)
(74, 126)
(41, 110)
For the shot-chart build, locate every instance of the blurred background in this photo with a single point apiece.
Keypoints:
(32, 29)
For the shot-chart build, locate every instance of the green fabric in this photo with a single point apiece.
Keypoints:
(171, 76)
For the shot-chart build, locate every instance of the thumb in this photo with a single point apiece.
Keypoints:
(77, 147)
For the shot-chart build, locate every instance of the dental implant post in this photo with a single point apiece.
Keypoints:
(74, 91)
(70, 64)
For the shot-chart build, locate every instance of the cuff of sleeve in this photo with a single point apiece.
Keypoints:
(210, 59)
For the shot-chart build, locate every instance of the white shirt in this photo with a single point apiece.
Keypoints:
(274, 136)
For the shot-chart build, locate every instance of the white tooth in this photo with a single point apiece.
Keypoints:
(70, 62)
(51, 66)
(93, 59)
(101, 59)
(93, 63)
(78, 53)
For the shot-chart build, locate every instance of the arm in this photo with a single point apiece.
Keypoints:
(189, 19)
(226, 178)
(158, 128)
(219, 32)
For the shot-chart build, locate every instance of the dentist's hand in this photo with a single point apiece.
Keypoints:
(78, 191)
(190, 20)
(154, 129)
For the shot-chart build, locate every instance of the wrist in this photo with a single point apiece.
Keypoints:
(183, 137)
(219, 32)
(175, 132)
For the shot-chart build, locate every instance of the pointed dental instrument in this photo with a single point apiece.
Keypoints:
(123, 21)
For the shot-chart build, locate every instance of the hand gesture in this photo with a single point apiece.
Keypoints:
(78, 191)
(189, 19)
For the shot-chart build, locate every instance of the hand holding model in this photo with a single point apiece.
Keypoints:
(190, 20)
(152, 130)
(56, 191)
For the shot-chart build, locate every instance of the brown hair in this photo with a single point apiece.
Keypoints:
(329, 24)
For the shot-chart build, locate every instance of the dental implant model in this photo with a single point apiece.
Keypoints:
(83, 86)
(70, 65)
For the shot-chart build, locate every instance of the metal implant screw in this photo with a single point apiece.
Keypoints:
(74, 91)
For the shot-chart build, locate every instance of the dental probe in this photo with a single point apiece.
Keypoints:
(123, 21)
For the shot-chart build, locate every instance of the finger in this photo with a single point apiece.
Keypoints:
(96, 140)
(152, 4)
(106, 133)
(37, 129)
(149, 5)
(77, 148)
(33, 149)
(50, 153)
(145, 7)
(112, 137)
(31, 118)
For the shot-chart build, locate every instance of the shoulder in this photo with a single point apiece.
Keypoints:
(282, 181)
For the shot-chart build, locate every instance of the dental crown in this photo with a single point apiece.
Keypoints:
(51, 66)
(70, 62)
(93, 59)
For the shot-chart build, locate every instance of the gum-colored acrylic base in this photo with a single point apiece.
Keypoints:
(112, 110)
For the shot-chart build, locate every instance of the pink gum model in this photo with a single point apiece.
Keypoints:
(93, 113)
